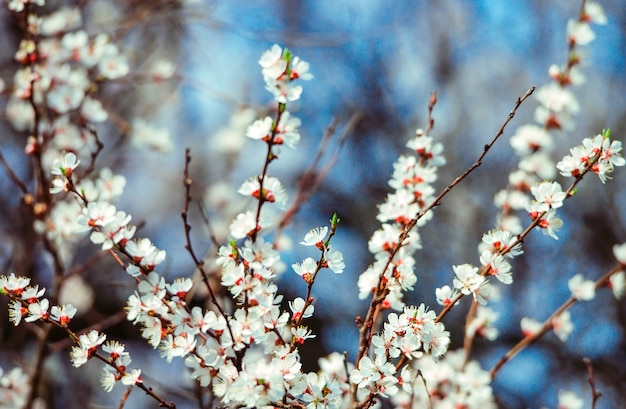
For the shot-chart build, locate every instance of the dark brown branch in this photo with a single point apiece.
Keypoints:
(595, 394)
(187, 182)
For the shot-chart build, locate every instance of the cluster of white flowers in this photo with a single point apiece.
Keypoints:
(248, 352)
(404, 337)
(27, 303)
(556, 111)
(598, 154)
(401, 214)
(14, 388)
(450, 383)
(257, 361)
(534, 143)
(54, 98)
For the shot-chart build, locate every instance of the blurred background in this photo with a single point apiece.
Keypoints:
(375, 66)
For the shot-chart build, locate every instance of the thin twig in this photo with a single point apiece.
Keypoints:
(187, 182)
(547, 324)
(316, 174)
(421, 375)
(595, 394)
(16, 180)
(431, 105)
(125, 397)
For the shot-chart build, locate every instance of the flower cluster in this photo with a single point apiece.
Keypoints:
(243, 346)
(447, 383)
(14, 388)
(27, 303)
(557, 109)
(221, 349)
(404, 337)
(401, 214)
(280, 68)
(599, 154)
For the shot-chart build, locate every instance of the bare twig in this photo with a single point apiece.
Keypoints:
(14, 178)
(125, 397)
(595, 394)
(316, 174)
(187, 182)
(421, 375)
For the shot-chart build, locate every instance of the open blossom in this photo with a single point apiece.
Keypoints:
(306, 269)
(315, 237)
(425, 147)
(482, 324)
(549, 194)
(444, 295)
(132, 377)
(66, 165)
(16, 312)
(468, 281)
(113, 64)
(437, 340)
(13, 285)
(287, 130)
(530, 326)
(279, 70)
(611, 153)
(557, 99)
(272, 62)
(260, 129)
(63, 314)
(300, 69)
(375, 376)
(38, 311)
(96, 214)
(298, 311)
(115, 349)
(500, 240)
(334, 260)
(114, 232)
(550, 223)
(594, 13)
(499, 267)
(582, 289)
(243, 225)
(573, 164)
(140, 248)
(569, 400)
(301, 334)
(145, 135)
(579, 32)
(87, 346)
(562, 325)
(272, 191)
(108, 378)
(619, 251)
(531, 138)
(606, 153)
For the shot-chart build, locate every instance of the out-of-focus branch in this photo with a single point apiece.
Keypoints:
(316, 174)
